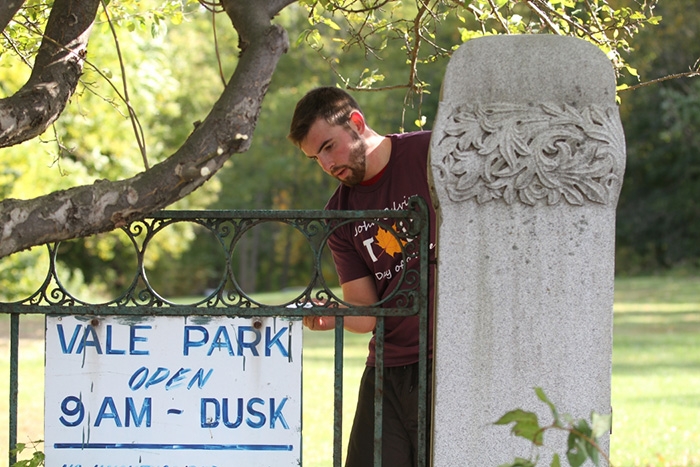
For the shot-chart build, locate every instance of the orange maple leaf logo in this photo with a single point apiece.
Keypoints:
(389, 242)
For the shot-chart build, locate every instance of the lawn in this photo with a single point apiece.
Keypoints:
(656, 372)
(656, 378)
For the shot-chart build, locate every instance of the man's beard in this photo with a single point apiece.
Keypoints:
(356, 163)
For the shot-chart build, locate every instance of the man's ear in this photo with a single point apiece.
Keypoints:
(357, 121)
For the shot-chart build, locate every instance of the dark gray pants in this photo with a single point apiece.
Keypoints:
(399, 418)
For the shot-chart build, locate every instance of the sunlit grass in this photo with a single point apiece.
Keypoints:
(656, 373)
(318, 379)
(31, 385)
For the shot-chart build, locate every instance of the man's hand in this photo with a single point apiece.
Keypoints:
(319, 323)
(359, 292)
(357, 324)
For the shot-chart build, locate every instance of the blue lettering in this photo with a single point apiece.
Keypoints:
(108, 410)
(72, 407)
(239, 418)
(92, 342)
(138, 418)
(269, 342)
(135, 384)
(141, 378)
(261, 416)
(111, 351)
(251, 345)
(277, 414)
(221, 334)
(133, 339)
(209, 422)
(159, 376)
(211, 411)
(177, 378)
(200, 378)
(91, 339)
(247, 337)
(190, 343)
(66, 349)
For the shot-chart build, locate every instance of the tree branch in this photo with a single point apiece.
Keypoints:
(545, 19)
(135, 124)
(228, 129)
(57, 68)
(498, 16)
(379, 4)
(8, 10)
(687, 74)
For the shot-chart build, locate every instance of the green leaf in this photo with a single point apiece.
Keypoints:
(541, 396)
(177, 17)
(631, 70)
(19, 448)
(420, 123)
(519, 462)
(601, 424)
(313, 38)
(590, 450)
(584, 428)
(576, 450)
(593, 453)
(526, 425)
(331, 24)
(555, 461)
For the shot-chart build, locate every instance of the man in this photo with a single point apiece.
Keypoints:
(376, 172)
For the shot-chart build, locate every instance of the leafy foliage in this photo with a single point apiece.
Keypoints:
(22, 36)
(93, 140)
(581, 444)
(659, 210)
(397, 47)
(419, 28)
(36, 460)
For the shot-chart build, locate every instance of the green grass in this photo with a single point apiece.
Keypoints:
(655, 390)
(656, 372)
(31, 382)
(317, 449)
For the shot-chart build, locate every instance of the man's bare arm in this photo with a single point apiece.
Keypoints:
(361, 292)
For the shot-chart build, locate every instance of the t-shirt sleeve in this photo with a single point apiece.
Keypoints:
(348, 263)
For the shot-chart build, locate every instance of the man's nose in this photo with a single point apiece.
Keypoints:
(326, 161)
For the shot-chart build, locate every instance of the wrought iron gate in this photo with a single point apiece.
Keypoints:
(228, 299)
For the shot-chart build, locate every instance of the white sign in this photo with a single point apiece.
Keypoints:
(172, 392)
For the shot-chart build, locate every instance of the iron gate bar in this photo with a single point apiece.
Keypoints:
(338, 393)
(378, 392)
(52, 298)
(14, 384)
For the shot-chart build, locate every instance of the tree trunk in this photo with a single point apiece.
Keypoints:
(58, 66)
(7, 12)
(228, 129)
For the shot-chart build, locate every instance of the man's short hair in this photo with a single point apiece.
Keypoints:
(330, 103)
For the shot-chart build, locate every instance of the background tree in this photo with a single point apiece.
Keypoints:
(229, 126)
(144, 124)
(659, 210)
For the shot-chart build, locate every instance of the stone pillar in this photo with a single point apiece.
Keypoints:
(527, 159)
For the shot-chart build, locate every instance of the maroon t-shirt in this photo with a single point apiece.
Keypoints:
(360, 249)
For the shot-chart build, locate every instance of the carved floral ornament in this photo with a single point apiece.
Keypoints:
(529, 153)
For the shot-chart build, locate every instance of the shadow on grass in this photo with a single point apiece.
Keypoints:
(649, 323)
